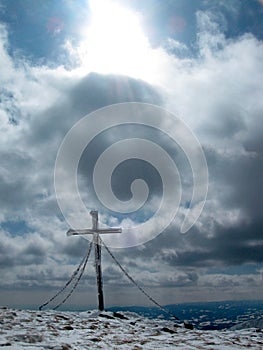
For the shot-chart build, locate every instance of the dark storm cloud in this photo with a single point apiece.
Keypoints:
(231, 229)
(227, 121)
(27, 173)
(236, 179)
(96, 91)
(246, 186)
(234, 245)
(73, 248)
(86, 95)
(131, 169)
(17, 251)
(236, 187)
(6, 256)
(14, 184)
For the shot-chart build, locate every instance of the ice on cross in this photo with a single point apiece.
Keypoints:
(95, 228)
(96, 231)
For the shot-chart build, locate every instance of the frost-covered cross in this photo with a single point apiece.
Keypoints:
(96, 231)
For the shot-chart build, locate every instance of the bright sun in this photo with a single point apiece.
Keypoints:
(115, 42)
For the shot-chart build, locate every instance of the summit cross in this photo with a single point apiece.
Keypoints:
(96, 231)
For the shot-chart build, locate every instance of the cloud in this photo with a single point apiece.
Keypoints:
(217, 93)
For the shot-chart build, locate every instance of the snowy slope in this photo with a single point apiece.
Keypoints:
(91, 330)
(258, 323)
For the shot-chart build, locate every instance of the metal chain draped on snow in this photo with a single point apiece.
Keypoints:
(136, 284)
(83, 261)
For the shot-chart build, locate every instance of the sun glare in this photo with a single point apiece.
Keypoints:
(115, 42)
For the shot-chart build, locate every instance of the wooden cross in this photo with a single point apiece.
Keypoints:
(95, 231)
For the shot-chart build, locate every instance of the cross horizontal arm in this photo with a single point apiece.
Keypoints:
(72, 232)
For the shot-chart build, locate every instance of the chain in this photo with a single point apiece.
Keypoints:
(136, 284)
(78, 279)
(83, 261)
(83, 264)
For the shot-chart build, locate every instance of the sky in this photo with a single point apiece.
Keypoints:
(199, 60)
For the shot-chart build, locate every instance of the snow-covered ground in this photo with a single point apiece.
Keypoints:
(90, 330)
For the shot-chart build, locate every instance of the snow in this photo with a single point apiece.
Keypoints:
(257, 323)
(21, 329)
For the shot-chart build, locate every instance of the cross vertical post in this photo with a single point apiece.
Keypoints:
(97, 252)
(96, 231)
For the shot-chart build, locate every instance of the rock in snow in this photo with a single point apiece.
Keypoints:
(123, 330)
